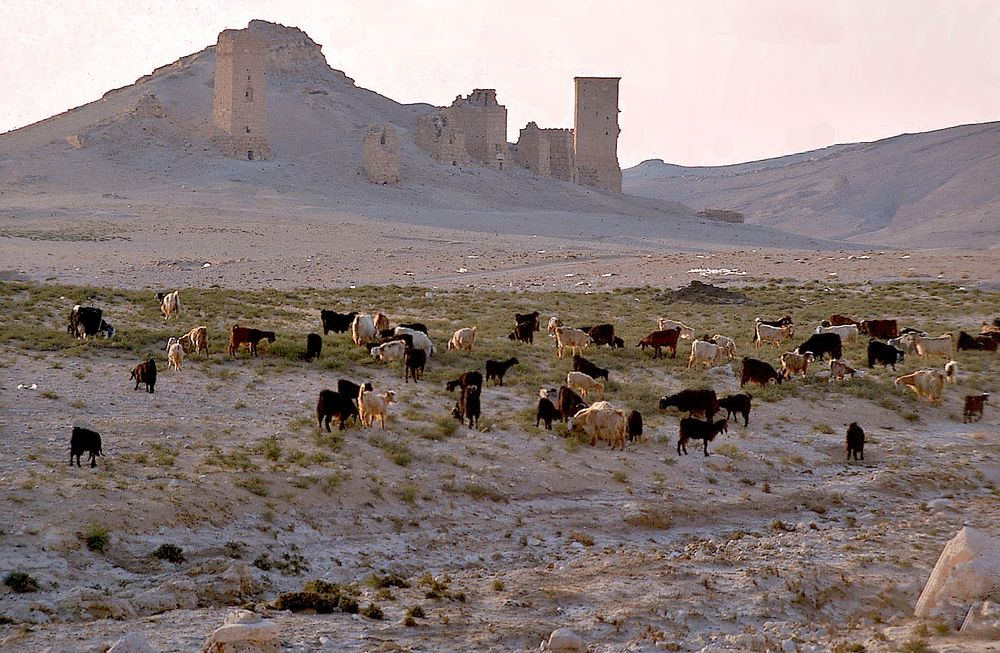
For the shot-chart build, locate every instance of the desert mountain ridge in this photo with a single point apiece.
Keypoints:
(910, 190)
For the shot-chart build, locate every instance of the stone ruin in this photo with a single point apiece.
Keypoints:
(595, 133)
(436, 134)
(380, 154)
(473, 128)
(547, 152)
(239, 97)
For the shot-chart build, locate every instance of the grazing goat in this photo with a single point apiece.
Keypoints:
(569, 402)
(418, 339)
(572, 339)
(848, 332)
(175, 354)
(658, 339)
(601, 421)
(974, 407)
(581, 364)
(583, 383)
(363, 330)
(855, 441)
(239, 336)
(496, 369)
(694, 429)
(839, 320)
(726, 343)
(170, 304)
(414, 361)
(380, 321)
(350, 389)
(686, 332)
(757, 371)
(388, 352)
(783, 322)
(371, 406)
(982, 342)
(792, 363)
(463, 339)
(821, 345)
(472, 377)
(737, 404)
(334, 404)
(907, 343)
(692, 402)
(528, 318)
(415, 326)
(195, 340)
(83, 441)
(943, 345)
(951, 371)
(84, 321)
(928, 384)
(771, 334)
(546, 410)
(314, 346)
(884, 354)
(336, 322)
(883, 329)
(468, 406)
(524, 332)
(633, 426)
(603, 334)
(707, 354)
(145, 372)
(839, 369)
(554, 323)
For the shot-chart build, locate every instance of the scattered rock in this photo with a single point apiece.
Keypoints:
(968, 570)
(645, 515)
(172, 595)
(243, 632)
(983, 621)
(87, 604)
(564, 640)
(132, 643)
(937, 505)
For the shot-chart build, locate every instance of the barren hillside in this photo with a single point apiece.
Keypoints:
(930, 189)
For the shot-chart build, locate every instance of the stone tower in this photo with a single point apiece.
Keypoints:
(595, 133)
(239, 102)
(380, 154)
(484, 123)
(547, 152)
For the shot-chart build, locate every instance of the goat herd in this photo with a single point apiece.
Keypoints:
(410, 343)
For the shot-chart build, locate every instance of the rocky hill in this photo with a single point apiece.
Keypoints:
(929, 189)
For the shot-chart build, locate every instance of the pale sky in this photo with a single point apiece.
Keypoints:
(703, 82)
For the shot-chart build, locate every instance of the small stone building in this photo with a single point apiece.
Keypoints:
(547, 152)
(436, 134)
(380, 154)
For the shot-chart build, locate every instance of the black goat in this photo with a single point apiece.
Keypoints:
(695, 429)
(496, 369)
(84, 441)
(737, 404)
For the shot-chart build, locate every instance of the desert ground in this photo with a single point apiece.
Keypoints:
(502, 533)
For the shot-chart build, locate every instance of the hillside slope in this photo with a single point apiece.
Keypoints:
(145, 150)
(935, 188)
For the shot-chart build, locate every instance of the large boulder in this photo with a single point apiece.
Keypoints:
(244, 632)
(132, 643)
(564, 640)
(967, 571)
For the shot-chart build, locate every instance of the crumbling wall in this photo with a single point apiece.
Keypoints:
(436, 134)
(239, 98)
(484, 123)
(595, 133)
(380, 154)
(547, 152)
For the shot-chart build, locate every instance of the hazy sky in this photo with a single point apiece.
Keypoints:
(703, 82)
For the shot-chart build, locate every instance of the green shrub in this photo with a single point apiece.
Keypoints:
(372, 611)
(96, 538)
(170, 553)
(20, 582)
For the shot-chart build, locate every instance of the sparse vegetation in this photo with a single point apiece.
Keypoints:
(170, 553)
(96, 538)
(20, 582)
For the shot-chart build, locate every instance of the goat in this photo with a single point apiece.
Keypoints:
(496, 369)
(694, 429)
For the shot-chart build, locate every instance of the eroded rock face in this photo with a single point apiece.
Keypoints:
(967, 571)
(564, 640)
(983, 621)
(243, 632)
(87, 604)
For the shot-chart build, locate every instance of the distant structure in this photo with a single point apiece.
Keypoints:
(436, 134)
(547, 152)
(380, 154)
(239, 102)
(595, 133)
(476, 124)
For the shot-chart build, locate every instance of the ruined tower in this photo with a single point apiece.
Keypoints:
(595, 134)
(484, 123)
(239, 102)
(547, 152)
(380, 154)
